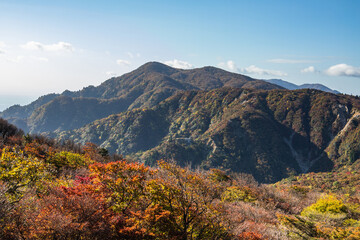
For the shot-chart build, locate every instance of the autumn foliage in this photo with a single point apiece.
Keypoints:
(50, 190)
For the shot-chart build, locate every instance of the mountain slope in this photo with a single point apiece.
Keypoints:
(271, 134)
(144, 87)
(69, 113)
(17, 111)
(292, 86)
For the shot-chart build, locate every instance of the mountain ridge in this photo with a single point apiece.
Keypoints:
(271, 134)
(292, 86)
(146, 86)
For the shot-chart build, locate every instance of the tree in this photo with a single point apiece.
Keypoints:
(183, 205)
(20, 172)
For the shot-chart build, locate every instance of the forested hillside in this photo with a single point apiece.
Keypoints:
(53, 190)
(270, 134)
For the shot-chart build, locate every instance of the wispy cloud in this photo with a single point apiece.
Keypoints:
(133, 55)
(56, 47)
(290, 61)
(260, 71)
(343, 70)
(310, 69)
(122, 62)
(110, 74)
(179, 64)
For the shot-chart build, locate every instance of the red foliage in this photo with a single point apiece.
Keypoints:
(35, 149)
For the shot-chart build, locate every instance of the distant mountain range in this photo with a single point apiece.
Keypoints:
(144, 87)
(204, 117)
(291, 86)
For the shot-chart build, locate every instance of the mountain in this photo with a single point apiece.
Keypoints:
(318, 87)
(205, 117)
(292, 86)
(144, 87)
(270, 134)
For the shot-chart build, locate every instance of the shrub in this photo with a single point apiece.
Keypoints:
(69, 159)
(234, 193)
(328, 204)
(20, 172)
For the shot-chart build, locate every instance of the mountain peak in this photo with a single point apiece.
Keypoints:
(146, 86)
(291, 86)
(157, 67)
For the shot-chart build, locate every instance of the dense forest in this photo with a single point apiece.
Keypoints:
(271, 134)
(61, 190)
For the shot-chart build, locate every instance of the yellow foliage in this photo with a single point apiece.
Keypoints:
(234, 193)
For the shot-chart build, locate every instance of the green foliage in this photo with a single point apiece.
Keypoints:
(328, 218)
(234, 194)
(103, 152)
(346, 146)
(300, 189)
(219, 176)
(328, 204)
(8, 130)
(20, 172)
(69, 160)
(351, 223)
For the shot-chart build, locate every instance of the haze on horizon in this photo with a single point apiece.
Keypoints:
(51, 46)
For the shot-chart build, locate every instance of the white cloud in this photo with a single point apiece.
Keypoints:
(343, 70)
(60, 46)
(178, 64)
(122, 62)
(310, 69)
(230, 65)
(2, 47)
(110, 74)
(259, 71)
(289, 61)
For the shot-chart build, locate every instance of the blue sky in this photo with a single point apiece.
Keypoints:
(50, 46)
